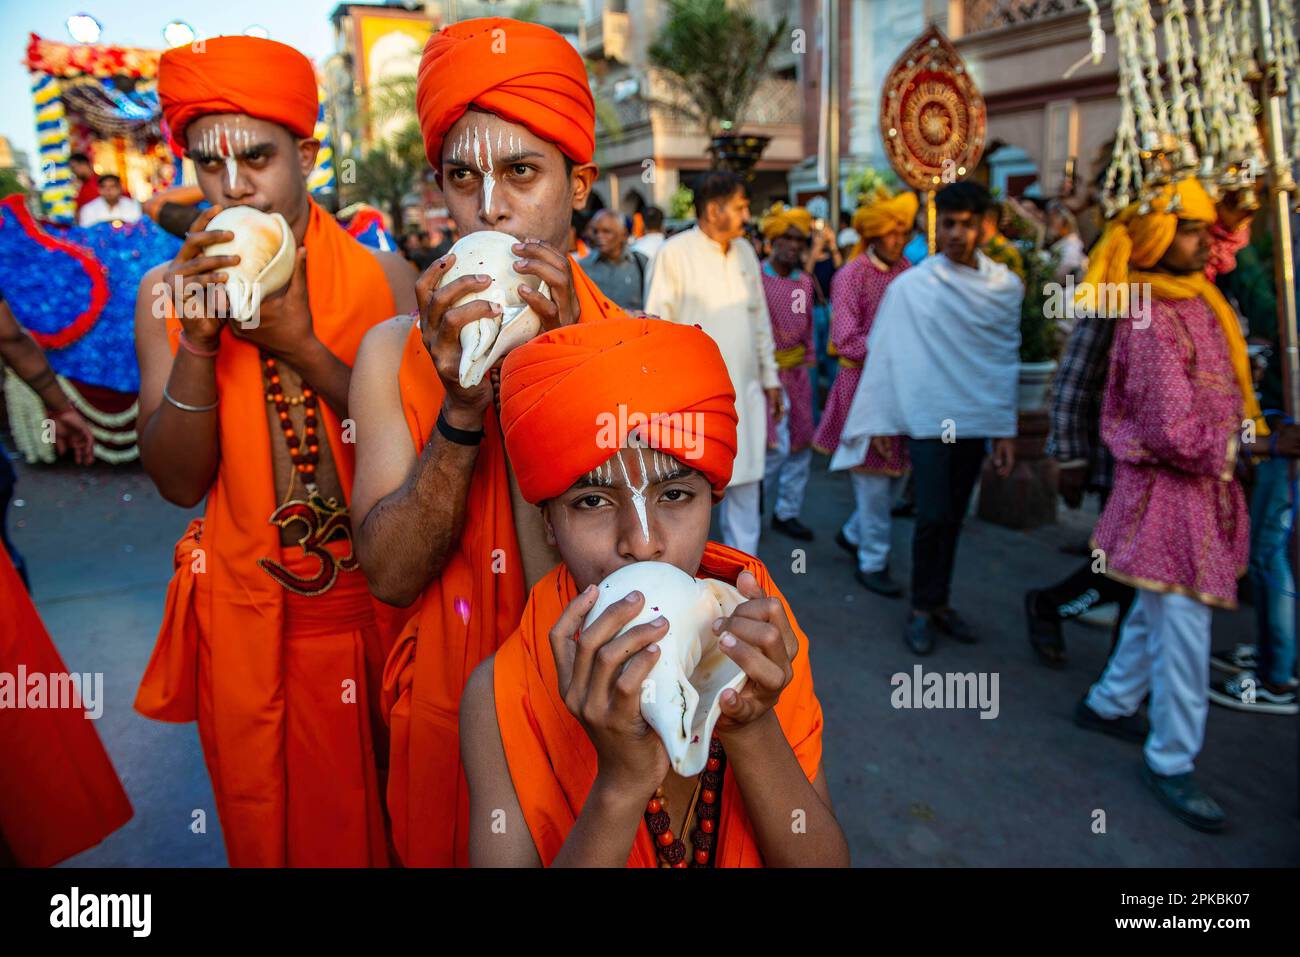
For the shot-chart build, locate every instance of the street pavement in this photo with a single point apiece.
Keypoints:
(911, 787)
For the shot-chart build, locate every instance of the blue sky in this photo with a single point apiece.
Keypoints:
(300, 23)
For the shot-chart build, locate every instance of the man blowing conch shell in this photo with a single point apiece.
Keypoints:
(509, 128)
(270, 638)
(563, 767)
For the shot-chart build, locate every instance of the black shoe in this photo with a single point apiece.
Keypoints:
(1240, 658)
(879, 582)
(1244, 691)
(903, 510)
(1044, 633)
(845, 544)
(1129, 728)
(954, 625)
(1185, 799)
(792, 527)
(918, 633)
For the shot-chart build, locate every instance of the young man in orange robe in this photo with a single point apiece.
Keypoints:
(563, 769)
(270, 638)
(509, 128)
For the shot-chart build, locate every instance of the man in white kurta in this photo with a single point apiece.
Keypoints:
(709, 276)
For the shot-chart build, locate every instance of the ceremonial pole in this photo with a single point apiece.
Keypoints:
(929, 221)
(1281, 186)
(833, 113)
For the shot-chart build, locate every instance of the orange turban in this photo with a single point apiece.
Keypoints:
(570, 397)
(523, 72)
(781, 217)
(885, 214)
(259, 78)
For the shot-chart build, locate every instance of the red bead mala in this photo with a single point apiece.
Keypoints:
(672, 849)
(304, 450)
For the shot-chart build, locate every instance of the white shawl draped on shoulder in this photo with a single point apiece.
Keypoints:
(945, 347)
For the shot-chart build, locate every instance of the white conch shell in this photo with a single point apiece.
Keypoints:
(681, 697)
(484, 341)
(265, 247)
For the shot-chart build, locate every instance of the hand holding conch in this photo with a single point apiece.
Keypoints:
(758, 637)
(682, 694)
(485, 341)
(600, 674)
(266, 249)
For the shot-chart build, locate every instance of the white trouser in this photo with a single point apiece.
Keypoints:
(787, 475)
(1164, 647)
(739, 517)
(869, 526)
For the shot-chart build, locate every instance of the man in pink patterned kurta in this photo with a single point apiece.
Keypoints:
(856, 290)
(1179, 410)
(789, 292)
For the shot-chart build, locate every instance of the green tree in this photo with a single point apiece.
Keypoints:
(393, 167)
(713, 56)
(10, 183)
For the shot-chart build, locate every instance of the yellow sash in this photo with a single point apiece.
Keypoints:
(791, 358)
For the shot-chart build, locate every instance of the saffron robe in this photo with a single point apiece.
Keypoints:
(282, 686)
(553, 762)
(461, 618)
(59, 794)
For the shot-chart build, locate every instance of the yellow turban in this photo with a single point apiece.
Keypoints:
(781, 217)
(1134, 242)
(883, 215)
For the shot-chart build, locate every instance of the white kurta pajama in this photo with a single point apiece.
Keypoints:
(696, 282)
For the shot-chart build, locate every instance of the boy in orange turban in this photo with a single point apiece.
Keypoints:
(623, 433)
(270, 639)
(509, 128)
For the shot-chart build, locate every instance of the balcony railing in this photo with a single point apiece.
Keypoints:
(981, 15)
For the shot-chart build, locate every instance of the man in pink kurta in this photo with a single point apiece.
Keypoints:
(885, 226)
(788, 289)
(1176, 522)
(1179, 410)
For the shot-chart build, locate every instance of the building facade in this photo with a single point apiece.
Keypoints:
(645, 150)
(1041, 124)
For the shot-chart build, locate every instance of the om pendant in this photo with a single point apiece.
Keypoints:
(323, 520)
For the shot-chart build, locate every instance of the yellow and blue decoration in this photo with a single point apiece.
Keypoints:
(59, 193)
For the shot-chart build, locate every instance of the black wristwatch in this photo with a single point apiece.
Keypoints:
(459, 436)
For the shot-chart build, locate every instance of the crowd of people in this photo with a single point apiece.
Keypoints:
(434, 550)
(1147, 413)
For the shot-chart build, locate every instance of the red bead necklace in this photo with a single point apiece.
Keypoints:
(672, 849)
(304, 450)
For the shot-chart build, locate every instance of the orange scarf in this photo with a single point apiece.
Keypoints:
(59, 793)
(463, 617)
(239, 602)
(552, 761)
